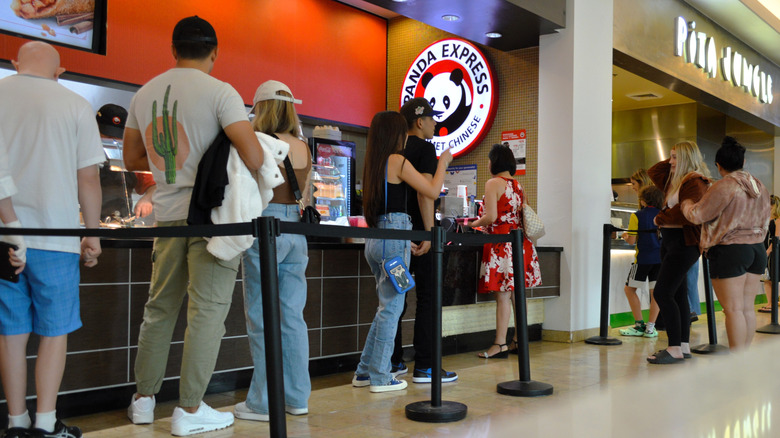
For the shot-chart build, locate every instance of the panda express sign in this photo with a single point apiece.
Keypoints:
(456, 78)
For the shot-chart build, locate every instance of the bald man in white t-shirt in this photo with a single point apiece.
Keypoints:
(53, 149)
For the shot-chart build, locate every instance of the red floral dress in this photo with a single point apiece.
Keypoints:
(496, 272)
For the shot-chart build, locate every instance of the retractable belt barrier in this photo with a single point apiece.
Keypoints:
(773, 328)
(712, 346)
(603, 338)
(266, 228)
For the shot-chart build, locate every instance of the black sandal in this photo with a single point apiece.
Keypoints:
(502, 354)
(662, 357)
(513, 347)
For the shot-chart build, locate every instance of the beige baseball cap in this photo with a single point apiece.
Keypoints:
(268, 91)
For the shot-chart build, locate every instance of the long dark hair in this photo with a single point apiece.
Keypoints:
(386, 136)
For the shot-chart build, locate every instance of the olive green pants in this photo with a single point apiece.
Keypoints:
(182, 266)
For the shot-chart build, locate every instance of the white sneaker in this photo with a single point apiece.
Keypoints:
(394, 385)
(141, 410)
(360, 381)
(205, 419)
(242, 411)
(296, 411)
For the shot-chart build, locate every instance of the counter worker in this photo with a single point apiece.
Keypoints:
(53, 159)
(422, 155)
(111, 120)
(199, 106)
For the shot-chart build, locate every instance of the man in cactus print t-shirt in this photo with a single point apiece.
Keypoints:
(177, 115)
(172, 120)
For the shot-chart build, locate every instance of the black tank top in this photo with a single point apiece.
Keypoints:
(396, 198)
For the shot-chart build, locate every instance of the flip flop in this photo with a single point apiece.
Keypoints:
(765, 309)
(662, 357)
(687, 356)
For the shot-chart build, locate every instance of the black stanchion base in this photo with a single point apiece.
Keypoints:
(709, 348)
(446, 413)
(519, 388)
(603, 340)
(772, 329)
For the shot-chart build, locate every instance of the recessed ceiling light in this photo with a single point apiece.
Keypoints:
(450, 17)
(493, 35)
(400, 1)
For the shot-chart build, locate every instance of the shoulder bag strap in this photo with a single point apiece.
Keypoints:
(291, 179)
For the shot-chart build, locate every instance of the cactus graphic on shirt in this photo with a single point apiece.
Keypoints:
(166, 143)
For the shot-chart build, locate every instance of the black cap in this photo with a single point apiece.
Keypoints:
(418, 107)
(195, 30)
(111, 120)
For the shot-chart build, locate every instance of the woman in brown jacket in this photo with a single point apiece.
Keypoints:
(683, 176)
(734, 214)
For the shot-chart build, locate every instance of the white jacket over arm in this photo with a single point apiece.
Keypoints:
(247, 195)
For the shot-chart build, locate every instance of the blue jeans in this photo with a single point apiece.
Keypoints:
(692, 280)
(375, 360)
(292, 258)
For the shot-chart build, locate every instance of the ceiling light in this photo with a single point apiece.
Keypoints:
(643, 96)
(493, 35)
(450, 17)
(400, 1)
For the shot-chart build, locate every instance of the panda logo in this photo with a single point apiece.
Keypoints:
(458, 81)
(448, 94)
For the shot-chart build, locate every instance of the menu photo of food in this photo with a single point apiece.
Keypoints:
(68, 22)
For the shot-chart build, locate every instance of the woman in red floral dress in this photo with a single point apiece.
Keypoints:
(503, 212)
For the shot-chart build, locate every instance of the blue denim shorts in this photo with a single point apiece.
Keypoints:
(45, 301)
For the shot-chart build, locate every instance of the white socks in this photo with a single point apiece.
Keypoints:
(46, 420)
(22, 420)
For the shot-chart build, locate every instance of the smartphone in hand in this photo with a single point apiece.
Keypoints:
(7, 271)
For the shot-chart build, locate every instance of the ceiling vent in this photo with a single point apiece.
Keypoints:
(644, 96)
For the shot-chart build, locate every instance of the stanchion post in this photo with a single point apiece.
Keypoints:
(525, 387)
(266, 229)
(712, 330)
(603, 338)
(438, 280)
(436, 411)
(773, 328)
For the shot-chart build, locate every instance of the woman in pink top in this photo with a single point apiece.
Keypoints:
(734, 214)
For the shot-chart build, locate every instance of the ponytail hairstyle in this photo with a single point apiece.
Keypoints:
(731, 155)
(386, 136)
(642, 178)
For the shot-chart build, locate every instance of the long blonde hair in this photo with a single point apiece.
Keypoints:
(689, 160)
(775, 203)
(273, 115)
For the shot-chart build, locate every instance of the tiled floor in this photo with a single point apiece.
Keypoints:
(600, 391)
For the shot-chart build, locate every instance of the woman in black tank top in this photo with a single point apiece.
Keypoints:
(385, 176)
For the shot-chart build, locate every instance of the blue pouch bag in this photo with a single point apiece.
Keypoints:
(399, 275)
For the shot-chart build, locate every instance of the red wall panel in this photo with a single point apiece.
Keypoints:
(332, 56)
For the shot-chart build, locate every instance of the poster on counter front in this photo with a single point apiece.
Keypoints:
(462, 175)
(515, 140)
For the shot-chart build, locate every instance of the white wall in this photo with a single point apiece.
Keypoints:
(575, 156)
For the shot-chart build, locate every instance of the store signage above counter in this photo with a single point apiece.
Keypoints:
(699, 49)
(457, 80)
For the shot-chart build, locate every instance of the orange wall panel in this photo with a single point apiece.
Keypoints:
(333, 56)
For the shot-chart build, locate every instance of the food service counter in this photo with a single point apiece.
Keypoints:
(340, 308)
